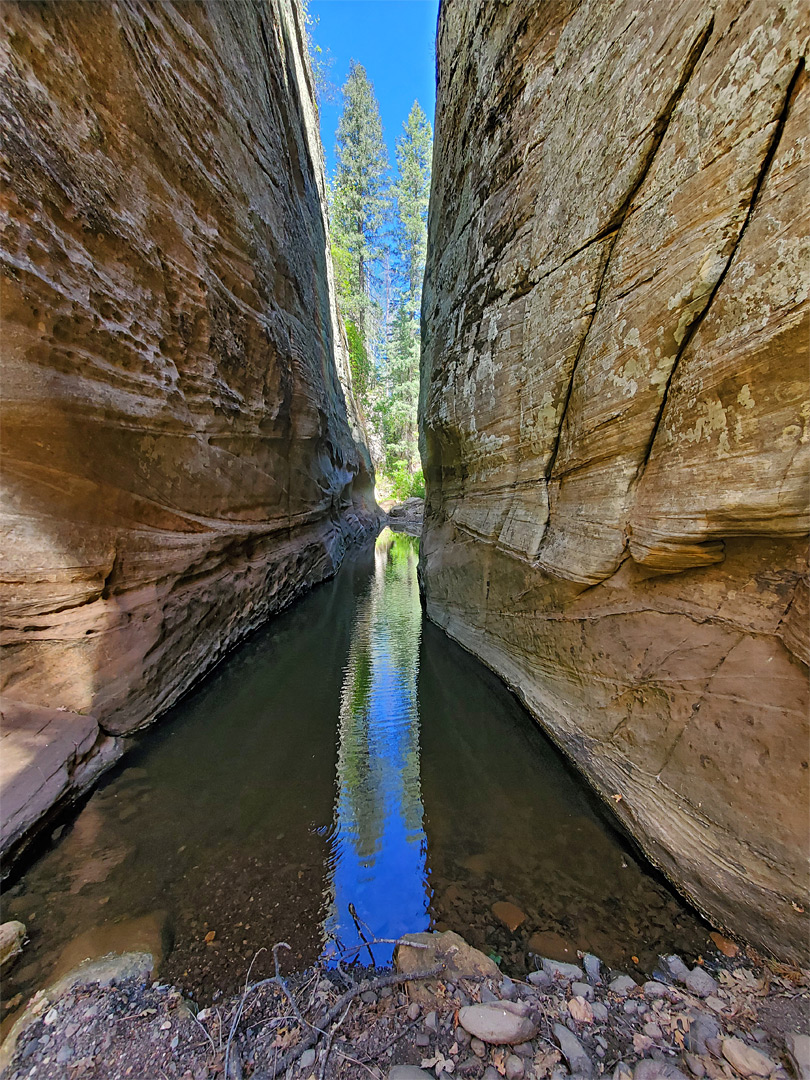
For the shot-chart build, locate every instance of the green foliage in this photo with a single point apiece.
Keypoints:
(382, 327)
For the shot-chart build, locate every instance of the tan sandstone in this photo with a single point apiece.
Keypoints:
(182, 455)
(614, 408)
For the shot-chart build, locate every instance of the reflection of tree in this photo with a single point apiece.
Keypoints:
(379, 840)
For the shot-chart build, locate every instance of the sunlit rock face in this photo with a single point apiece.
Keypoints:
(181, 458)
(614, 391)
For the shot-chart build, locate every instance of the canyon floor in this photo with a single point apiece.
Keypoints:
(726, 1019)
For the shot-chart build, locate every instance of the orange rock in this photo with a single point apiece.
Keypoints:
(726, 947)
(509, 914)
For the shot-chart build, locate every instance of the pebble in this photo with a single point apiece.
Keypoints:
(538, 978)
(51, 1017)
(593, 967)
(369, 997)
(514, 1067)
(676, 967)
(630, 1008)
(653, 1030)
(508, 989)
(502, 1024)
(798, 1047)
(524, 1049)
(600, 1013)
(556, 969)
(582, 989)
(700, 983)
(701, 1029)
(649, 1069)
(747, 1060)
(422, 1038)
(487, 997)
(695, 1065)
(307, 1059)
(623, 984)
(431, 1021)
(462, 1037)
(715, 1004)
(387, 992)
(654, 989)
(622, 1071)
(469, 1066)
(65, 1053)
(491, 1073)
(414, 1010)
(573, 1051)
(401, 1072)
(478, 1048)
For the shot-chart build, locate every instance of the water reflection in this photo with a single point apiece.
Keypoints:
(377, 863)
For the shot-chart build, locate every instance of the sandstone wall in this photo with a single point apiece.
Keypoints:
(615, 413)
(178, 457)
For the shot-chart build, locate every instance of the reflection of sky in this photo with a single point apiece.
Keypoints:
(377, 861)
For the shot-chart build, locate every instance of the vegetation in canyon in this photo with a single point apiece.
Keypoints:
(379, 241)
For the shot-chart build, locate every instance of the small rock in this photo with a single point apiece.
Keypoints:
(470, 1066)
(593, 967)
(63, 1054)
(580, 1010)
(726, 947)
(649, 1069)
(387, 992)
(509, 914)
(369, 997)
(491, 1073)
(403, 1072)
(307, 1060)
(487, 997)
(622, 985)
(51, 1017)
(538, 978)
(695, 1065)
(600, 1013)
(422, 1038)
(477, 1047)
(701, 1029)
(582, 989)
(414, 1009)
(12, 936)
(798, 1047)
(715, 1004)
(676, 967)
(654, 989)
(524, 1049)
(501, 1024)
(622, 1071)
(700, 983)
(653, 1030)
(555, 969)
(514, 1067)
(602, 1042)
(747, 1060)
(431, 1021)
(552, 945)
(630, 1008)
(508, 989)
(715, 1047)
(573, 1051)
(462, 1037)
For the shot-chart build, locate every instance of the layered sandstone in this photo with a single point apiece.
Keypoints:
(614, 410)
(180, 457)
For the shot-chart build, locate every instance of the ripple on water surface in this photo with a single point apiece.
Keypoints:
(348, 766)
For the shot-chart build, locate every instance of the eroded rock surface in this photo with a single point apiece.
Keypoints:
(180, 456)
(614, 406)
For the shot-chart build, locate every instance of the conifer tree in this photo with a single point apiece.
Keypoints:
(360, 199)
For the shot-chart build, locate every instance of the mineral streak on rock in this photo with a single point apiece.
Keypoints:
(615, 423)
(181, 456)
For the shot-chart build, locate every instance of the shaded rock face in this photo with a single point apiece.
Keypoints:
(614, 414)
(181, 459)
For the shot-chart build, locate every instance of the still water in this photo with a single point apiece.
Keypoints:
(347, 769)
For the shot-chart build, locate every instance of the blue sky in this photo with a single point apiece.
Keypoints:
(394, 40)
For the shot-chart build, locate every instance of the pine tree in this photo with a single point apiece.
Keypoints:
(360, 199)
(411, 191)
